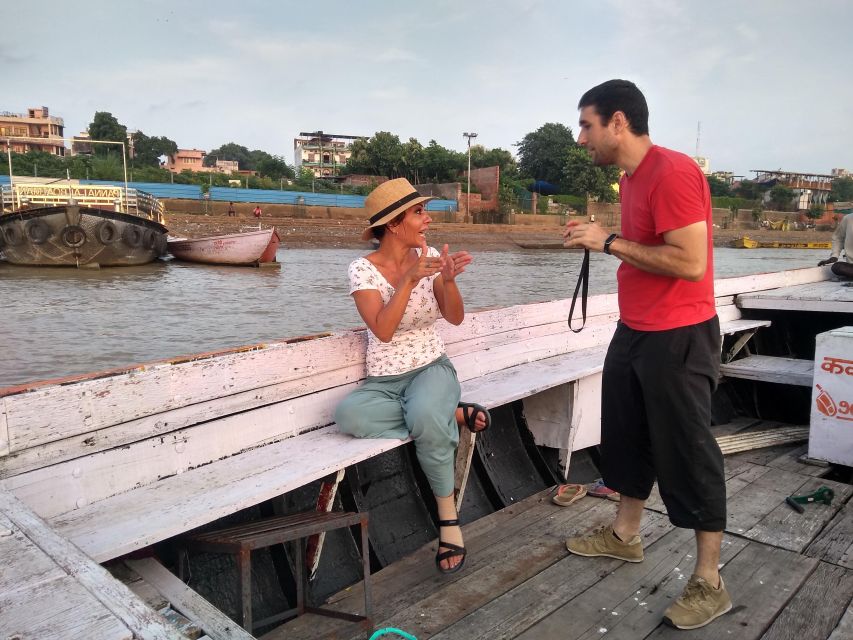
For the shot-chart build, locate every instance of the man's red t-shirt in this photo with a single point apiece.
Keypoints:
(667, 191)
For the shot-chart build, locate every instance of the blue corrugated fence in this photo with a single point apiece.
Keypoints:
(267, 196)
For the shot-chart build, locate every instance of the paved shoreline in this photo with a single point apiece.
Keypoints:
(317, 233)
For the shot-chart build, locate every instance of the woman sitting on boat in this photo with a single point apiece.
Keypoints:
(411, 389)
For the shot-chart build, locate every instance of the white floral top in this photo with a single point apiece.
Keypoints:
(416, 342)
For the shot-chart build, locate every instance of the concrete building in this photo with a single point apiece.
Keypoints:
(35, 130)
(193, 160)
(840, 173)
(324, 154)
(704, 164)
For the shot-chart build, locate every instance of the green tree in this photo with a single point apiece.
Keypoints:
(104, 126)
(229, 151)
(750, 190)
(542, 153)
(269, 166)
(147, 151)
(781, 197)
(842, 189)
(814, 212)
(719, 188)
(581, 177)
(413, 160)
(385, 154)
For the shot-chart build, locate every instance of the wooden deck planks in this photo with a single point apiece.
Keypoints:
(783, 527)
(835, 543)
(817, 608)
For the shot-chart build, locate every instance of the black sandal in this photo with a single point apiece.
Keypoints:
(454, 550)
(470, 411)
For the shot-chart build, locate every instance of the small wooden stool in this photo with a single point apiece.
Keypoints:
(242, 539)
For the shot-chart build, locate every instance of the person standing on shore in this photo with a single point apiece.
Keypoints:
(842, 239)
(231, 211)
(257, 212)
(662, 364)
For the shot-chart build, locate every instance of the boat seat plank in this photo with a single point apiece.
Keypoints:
(743, 324)
(145, 515)
(771, 369)
(828, 296)
(179, 503)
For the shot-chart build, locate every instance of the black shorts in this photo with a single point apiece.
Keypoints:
(656, 418)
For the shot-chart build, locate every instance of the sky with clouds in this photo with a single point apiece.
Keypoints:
(769, 80)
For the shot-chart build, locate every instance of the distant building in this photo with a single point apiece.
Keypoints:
(840, 173)
(808, 188)
(704, 164)
(35, 130)
(726, 176)
(193, 160)
(324, 154)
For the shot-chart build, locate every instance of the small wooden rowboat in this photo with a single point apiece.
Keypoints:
(251, 248)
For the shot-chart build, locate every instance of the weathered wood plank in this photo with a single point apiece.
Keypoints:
(59, 609)
(751, 504)
(783, 527)
(113, 595)
(761, 581)
(414, 578)
(829, 296)
(629, 602)
(816, 608)
(790, 461)
(771, 369)
(515, 610)
(31, 566)
(216, 624)
(177, 504)
(835, 543)
(844, 630)
(742, 285)
(736, 326)
(4, 429)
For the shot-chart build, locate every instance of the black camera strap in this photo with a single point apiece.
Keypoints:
(583, 282)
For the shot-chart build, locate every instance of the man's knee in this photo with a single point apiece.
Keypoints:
(352, 420)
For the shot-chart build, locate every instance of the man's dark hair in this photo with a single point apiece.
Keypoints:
(619, 95)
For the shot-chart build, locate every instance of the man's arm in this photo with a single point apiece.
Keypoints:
(684, 253)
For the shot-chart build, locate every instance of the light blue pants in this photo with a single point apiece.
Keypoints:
(422, 404)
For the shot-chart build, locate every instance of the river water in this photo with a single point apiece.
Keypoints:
(60, 322)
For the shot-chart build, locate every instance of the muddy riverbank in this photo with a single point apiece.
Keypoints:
(313, 233)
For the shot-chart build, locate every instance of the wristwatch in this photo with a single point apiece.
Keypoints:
(609, 241)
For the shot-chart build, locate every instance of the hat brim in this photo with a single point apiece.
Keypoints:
(367, 234)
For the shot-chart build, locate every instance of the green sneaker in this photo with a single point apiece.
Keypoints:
(603, 542)
(698, 605)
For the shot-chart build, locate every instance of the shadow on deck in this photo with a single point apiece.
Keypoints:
(790, 575)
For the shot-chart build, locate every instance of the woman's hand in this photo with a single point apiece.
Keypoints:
(453, 264)
(424, 267)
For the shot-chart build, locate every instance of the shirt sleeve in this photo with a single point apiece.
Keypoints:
(362, 276)
(680, 200)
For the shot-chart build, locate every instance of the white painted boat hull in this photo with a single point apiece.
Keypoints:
(233, 249)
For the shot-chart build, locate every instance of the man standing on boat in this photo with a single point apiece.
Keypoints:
(842, 239)
(662, 364)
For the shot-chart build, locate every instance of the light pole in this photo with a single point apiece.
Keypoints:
(468, 206)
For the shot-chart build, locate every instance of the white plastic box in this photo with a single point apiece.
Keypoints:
(831, 432)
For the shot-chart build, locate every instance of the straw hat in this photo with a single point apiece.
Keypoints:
(388, 200)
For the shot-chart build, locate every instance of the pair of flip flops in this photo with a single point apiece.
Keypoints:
(470, 411)
(568, 494)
